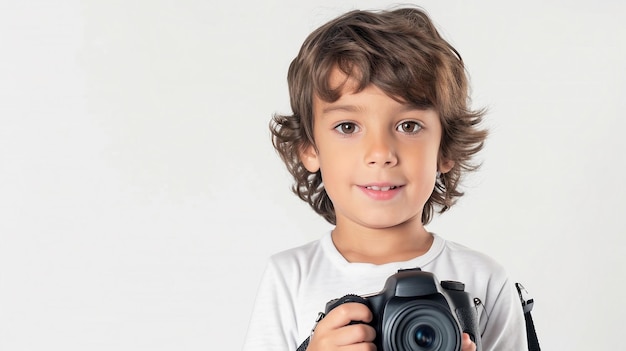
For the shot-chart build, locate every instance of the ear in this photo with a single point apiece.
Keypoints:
(309, 158)
(445, 165)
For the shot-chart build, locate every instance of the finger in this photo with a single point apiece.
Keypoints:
(344, 314)
(354, 334)
(467, 344)
(364, 346)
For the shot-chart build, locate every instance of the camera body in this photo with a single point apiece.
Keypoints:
(416, 312)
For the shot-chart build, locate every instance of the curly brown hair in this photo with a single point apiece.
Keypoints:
(401, 52)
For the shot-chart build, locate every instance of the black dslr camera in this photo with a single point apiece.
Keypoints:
(415, 312)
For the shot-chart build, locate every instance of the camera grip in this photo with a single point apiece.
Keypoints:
(465, 309)
(468, 318)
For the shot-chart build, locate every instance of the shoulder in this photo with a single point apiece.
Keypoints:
(283, 276)
(299, 254)
(296, 261)
(463, 255)
(482, 274)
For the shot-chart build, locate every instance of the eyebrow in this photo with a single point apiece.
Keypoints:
(345, 108)
(406, 107)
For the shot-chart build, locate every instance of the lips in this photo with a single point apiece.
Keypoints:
(381, 191)
(381, 188)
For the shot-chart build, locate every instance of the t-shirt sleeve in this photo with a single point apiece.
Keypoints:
(273, 317)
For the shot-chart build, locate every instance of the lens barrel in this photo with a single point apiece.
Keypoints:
(421, 325)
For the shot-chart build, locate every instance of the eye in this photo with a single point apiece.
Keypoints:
(347, 128)
(409, 127)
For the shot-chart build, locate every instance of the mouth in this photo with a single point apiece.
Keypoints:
(381, 188)
(381, 191)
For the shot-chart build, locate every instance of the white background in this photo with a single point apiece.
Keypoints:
(140, 196)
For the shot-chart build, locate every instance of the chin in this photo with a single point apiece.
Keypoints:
(390, 223)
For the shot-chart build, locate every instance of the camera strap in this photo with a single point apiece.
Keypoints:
(305, 344)
(527, 305)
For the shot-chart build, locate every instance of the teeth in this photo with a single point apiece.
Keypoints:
(381, 188)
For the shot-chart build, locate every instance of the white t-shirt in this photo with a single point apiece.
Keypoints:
(298, 283)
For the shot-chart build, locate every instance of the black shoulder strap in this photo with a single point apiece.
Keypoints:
(527, 305)
(305, 343)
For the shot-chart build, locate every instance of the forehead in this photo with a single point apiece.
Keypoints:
(338, 83)
(338, 79)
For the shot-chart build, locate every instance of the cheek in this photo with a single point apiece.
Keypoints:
(334, 168)
(426, 177)
(423, 157)
(422, 170)
(336, 172)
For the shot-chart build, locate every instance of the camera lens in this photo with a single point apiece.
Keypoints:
(420, 325)
(425, 336)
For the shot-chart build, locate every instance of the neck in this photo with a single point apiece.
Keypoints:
(384, 245)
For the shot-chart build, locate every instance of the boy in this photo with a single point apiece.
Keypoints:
(380, 135)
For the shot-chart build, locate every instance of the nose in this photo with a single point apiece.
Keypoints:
(380, 150)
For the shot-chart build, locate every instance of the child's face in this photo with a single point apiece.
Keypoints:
(378, 157)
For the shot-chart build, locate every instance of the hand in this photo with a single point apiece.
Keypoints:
(467, 344)
(335, 331)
